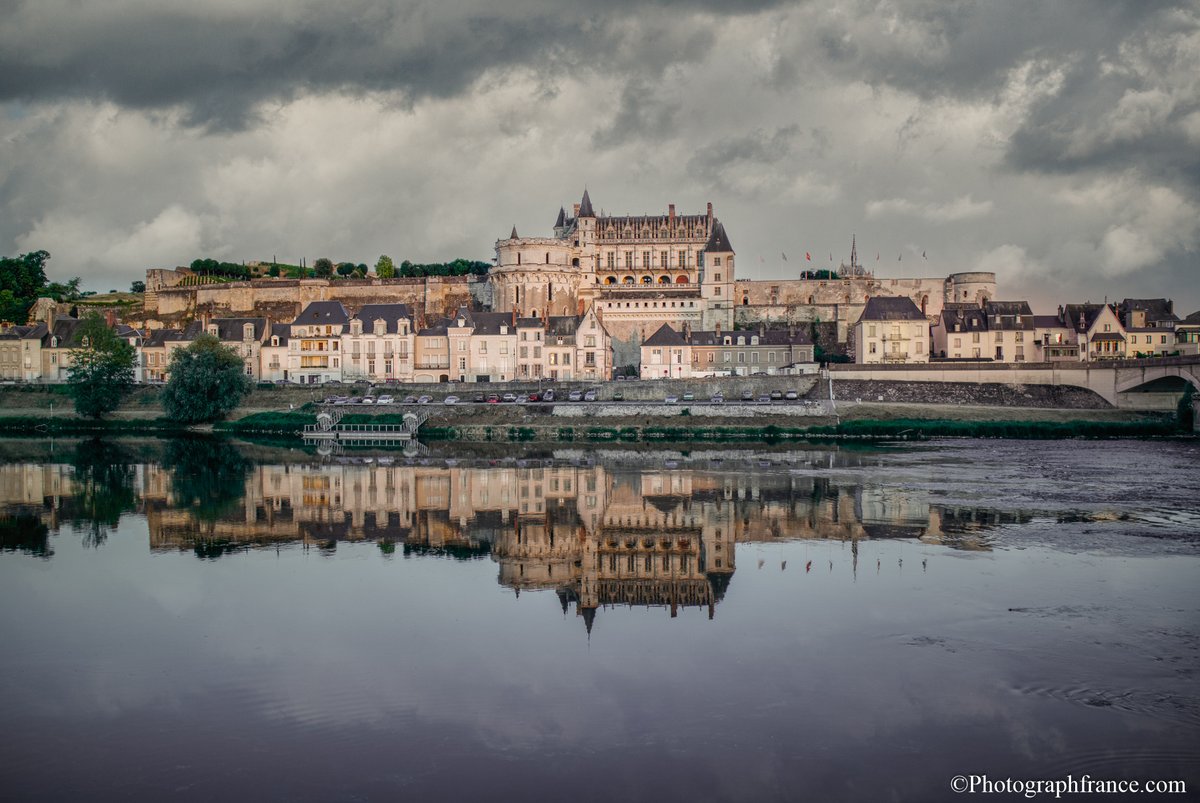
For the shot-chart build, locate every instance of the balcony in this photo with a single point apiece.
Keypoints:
(432, 363)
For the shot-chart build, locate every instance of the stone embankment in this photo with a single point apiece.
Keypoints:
(1062, 397)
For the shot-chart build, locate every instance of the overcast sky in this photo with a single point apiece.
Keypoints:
(1055, 143)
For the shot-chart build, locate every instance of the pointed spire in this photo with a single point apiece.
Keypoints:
(589, 616)
(562, 218)
(585, 206)
(718, 241)
(513, 236)
(854, 253)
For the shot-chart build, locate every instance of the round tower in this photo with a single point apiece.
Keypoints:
(978, 287)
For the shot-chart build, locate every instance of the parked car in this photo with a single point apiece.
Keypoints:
(533, 397)
(747, 395)
(385, 399)
(776, 395)
(493, 398)
(717, 399)
(764, 399)
(791, 395)
(687, 397)
(510, 397)
(450, 400)
(575, 395)
(618, 395)
(479, 398)
(368, 400)
(671, 400)
(424, 399)
(589, 396)
(354, 400)
(410, 400)
(548, 396)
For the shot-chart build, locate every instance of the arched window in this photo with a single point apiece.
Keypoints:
(647, 280)
(681, 280)
(610, 279)
(628, 280)
(745, 301)
(664, 279)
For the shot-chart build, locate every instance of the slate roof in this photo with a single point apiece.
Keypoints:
(1108, 336)
(1193, 319)
(967, 317)
(160, 337)
(489, 323)
(1090, 312)
(1156, 309)
(228, 329)
(562, 218)
(562, 325)
(665, 336)
(1002, 315)
(529, 323)
(324, 313)
(887, 308)
(1048, 322)
(585, 206)
(390, 313)
(282, 331)
(718, 240)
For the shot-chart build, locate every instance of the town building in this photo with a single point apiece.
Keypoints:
(893, 331)
(668, 354)
(1149, 325)
(1187, 334)
(243, 335)
(314, 343)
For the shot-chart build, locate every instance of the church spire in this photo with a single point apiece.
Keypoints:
(585, 206)
(513, 236)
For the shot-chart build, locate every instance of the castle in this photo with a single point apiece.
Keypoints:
(638, 272)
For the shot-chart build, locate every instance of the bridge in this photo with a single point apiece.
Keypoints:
(1151, 383)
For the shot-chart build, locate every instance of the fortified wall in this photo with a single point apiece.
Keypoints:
(281, 300)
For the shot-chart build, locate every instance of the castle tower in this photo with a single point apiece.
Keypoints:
(716, 278)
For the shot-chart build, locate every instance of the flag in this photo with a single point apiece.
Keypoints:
(830, 256)
(923, 255)
(808, 256)
(900, 258)
(784, 256)
(876, 256)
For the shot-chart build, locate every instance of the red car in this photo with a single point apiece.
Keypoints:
(493, 398)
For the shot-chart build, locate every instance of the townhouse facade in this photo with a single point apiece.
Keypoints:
(891, 330)
(668, 354)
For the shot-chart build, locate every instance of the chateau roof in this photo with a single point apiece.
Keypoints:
(718, 241)
(562, 218)
(323, 312)
(513, 236)
(585, 206)
(889, 308)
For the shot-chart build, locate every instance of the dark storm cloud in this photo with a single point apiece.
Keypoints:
(757, 147)
(219, 63)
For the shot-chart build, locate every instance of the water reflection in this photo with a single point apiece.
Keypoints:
(642, 533)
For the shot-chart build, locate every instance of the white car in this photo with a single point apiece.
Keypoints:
(451, 400)
(368, 400)
(385, 400)
(671, 400)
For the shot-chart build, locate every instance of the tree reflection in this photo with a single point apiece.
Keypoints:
(104, 479)
(208, 475)
(25, 533)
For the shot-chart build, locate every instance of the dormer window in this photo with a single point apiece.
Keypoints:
(741, 340)
(462, 322)
(274, 340)
(754, 340)
(54, 342)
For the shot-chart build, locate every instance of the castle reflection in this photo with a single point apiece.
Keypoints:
(598, 535)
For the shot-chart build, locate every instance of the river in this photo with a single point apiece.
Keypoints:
(197, 620)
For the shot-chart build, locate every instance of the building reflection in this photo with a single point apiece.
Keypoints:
(596, 535)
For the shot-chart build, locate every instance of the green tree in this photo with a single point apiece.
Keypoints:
(323, 267)
(345, 268)
(207, 381)
(273, 272)
(137, 287)
(22, 280)
(101, 372)
(385, 268)
(208, 476)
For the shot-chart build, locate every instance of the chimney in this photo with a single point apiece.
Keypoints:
(718, 329)
(710, 211)
(687, 331)
(575, 209)
(762, 330)
(791, 332)
(671, 213)
(1170, 307)
(1060, 312)
(110, 318)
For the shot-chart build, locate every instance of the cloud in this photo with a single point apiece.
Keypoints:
(962, 208)
(1057, 142)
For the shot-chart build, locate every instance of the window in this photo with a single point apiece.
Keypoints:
(683, 259)
(717, 262)
(710, 356)
(645, 259)
(629, 259)
(462, 363)
(503, 348)
(728, 357)
(871, 347)
(717, 276)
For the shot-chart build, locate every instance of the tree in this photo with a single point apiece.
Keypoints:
(385, 268)
(22, 280)
(207, 382)
(323, 267)
(137, 287)
(273, 272)
(101, 372)
(345, 268)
